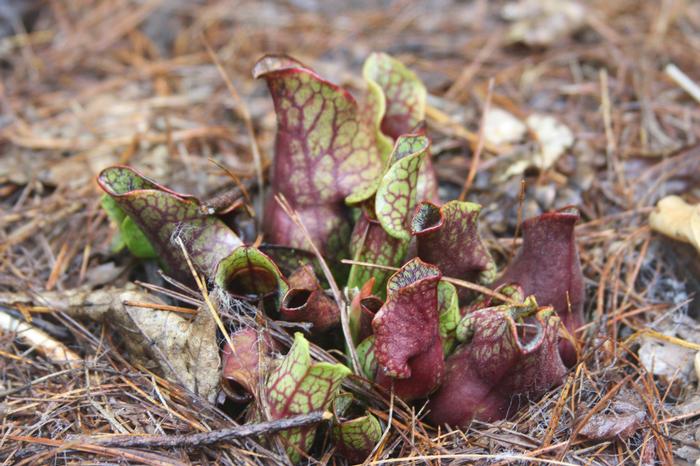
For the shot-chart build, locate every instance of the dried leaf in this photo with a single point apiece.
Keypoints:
(677, 219)
(540, 23)
(624, 420)
(181, 348)
(666, 359)
(501, 127)
(553, 139)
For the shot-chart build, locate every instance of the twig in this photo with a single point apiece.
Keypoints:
(208, 438)
(344, 323)
(161, 307)
(682, 79)
(597, 407)
(468, 456)
(454, 281)
(479, 145)
(205, 294)
(14, 390)
(45, 344)
(247, 120)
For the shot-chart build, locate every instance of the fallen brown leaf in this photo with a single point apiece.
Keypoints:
(677, 219)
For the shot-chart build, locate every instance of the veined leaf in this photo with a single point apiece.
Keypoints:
(300, 386)
(406, 329)
(448, 309)
(325, 152)
(306, 301)
(448, 237)
(382, 234)
(398, 99)
(509, 354)
(355, 438)
(162, 214)
(249, 274)
(129, 234)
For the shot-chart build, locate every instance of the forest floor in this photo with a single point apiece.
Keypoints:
(87, 84)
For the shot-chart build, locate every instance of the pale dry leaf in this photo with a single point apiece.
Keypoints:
(539, 23)
(667, 359)
(677, 219)
(553, 139)
(502, 127)
(622, 420)
(181, 348)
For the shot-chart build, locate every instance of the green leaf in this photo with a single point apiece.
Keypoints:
(398, 99)
(299, 386)
(365, 354)
(354, 439)
(371, 243)
(403, 94)
(136, 240)
(448, 307)
(382, 233)
(396, 196)
(129, 235)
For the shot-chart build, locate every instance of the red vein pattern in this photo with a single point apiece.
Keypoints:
(163, 214)
(490, 375)
(448, 237)
(408, 347)
(325, 151)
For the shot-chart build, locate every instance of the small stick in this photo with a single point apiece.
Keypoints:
(208, 438)
(479, 145)
(45, 344)
(344, 321)
(682, 79)
(161, 307)
(518, 224)
(205, 294)
(247, 121)
(454, 281)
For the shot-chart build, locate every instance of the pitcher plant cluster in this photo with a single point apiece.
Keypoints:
(358, 174)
